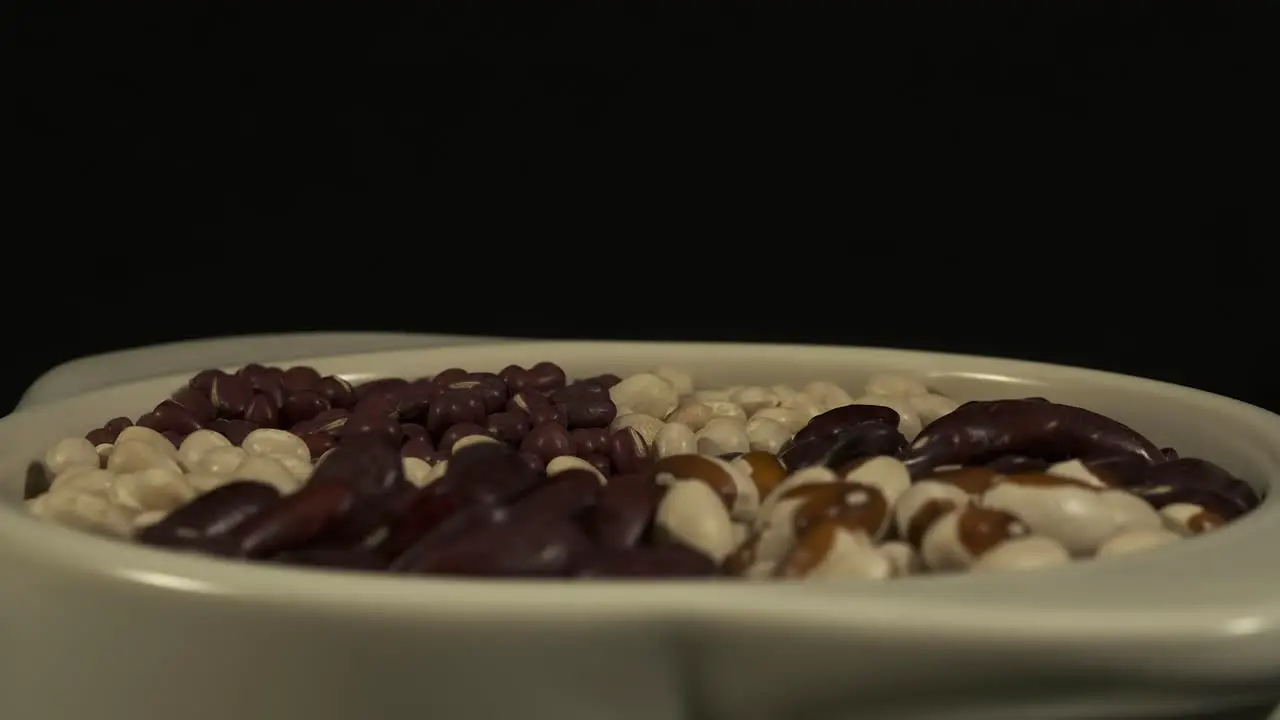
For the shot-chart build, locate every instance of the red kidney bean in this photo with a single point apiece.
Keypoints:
(457, 432)
(37, 482)
(628, 451)
(845, 445)
(262, 411)
(367, 464)
(195, 403)
(203, 380)
(978, 431)
(336, 558)
(663, 561)
(547, 441)
(169, 415)
(216, 514)
(1200, 482)
(234, 430)
(101, 436)
(230, 395)
(847, 416)
(319, 443)
(443, 533)
(565, 496)
(623, 514)
(507, 427)
(295, 521)
(379, 426)
(590, 441)
(302, 405)
(590, 412)
(300, 377)
(453, 407)
(337, 391)
(546, 377)
(1013, 464)
(329, 422)
(524, 549)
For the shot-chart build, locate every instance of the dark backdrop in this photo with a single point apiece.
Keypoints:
(1077, 182)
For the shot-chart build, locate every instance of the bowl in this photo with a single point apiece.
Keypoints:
(103, 628)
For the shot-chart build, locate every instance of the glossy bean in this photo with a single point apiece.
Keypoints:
(216, 514)
(296, 520)
(518, 549)
(846, 416)
(623, 515)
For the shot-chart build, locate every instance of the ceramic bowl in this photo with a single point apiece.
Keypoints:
(91, 627)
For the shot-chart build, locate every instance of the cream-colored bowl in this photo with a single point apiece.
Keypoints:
(94, 628)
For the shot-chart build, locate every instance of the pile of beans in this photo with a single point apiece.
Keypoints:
(523, 473)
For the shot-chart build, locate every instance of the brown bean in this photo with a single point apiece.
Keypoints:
(196, 403)
(523, 549)
(329, 422)
(449, 375)
(546, 377)
(296, 520)
(590, 441)
(169, 415)
(624, 511)
(565, 496)
(367, 464)
(847, 416)
(457, 432)
(453, 407)
(213, 515)
(230, 396)
(443, 533)
(383, 427)
(508, 427)
(547, 441)
(337, 391)
(300, 377)
(262, 412)
(302, 405)
(548, 414)
(203, 380)
(590, 412)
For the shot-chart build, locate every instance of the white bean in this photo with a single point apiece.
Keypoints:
(134, 455)
(137, 433)
(931, 407)
(753, 399)
(85, 511)
(723, 435)
(790, 418)
(692, 513)
(153, 489)
(71, 452)
(83, 480)
(266, 469)
(222, 460)
(647, 425)
(767, 435)
(572, 462)
(276, 443)
(1081, 518)
(894, 385)
(203, 482)
(1133, 541)
(417, 471)
(675, 439)
(902, 557)
(828, 394)
(1025, 553)
(195, 445)
(644, 393)
(692, 415)
(679, 380)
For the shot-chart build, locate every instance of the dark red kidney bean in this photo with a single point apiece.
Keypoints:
(524, 549)
(533, 462)
(453, 407)
(1012, 464)
(978, 431)
(294, 521)
(174, 438)
(150, 420)
(1169, 453)
(547, 441)
(368, 464)
(268, 385)
(37, 481)
(590, 412)
(319, 443)
(195, 403)
(169, 415)
(546, 377)
(337, 391)
(217, 513)
(846, 445)
(330, 422)
(662, 561)
(455, 526)
(846, 416)
(118, 424)
(548, 414)
(101, 436)
(623, 515)
(525, 401)
(302, 405)
(507, 427)
(203, 380)
(457, 432)
(483, 474)
(566, 496)
(234, 430)
(378, 387)
(1121, 470)
(606, 380)
(449, 375)
(335, 558)
(419, 448)
(590, 441)
(262, 412)
(369, 515)
(382, 427)
(628, 451)
(300, 377)
(599, 462)
(1187, 475)
(230, 396)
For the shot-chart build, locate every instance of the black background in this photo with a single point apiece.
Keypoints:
(1077, 182)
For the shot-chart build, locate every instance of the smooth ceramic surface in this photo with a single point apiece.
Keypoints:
(98, 371)
(144, 633)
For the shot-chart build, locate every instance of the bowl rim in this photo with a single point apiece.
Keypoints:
(1145, 595)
